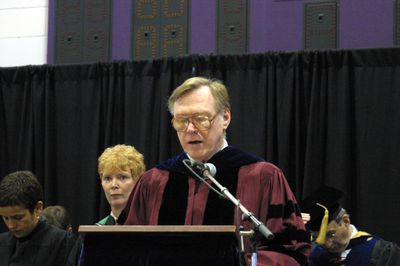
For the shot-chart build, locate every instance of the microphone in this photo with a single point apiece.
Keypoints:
(210, 168)
(204, 168)
(207, 170)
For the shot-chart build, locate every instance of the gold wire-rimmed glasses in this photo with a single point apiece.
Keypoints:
(201, 122)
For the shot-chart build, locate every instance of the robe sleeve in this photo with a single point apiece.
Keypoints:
(264, 191)
(385, 253)
(146, 198)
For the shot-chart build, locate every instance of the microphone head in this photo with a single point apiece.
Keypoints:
(201, 167)
(187, 162)
(193, 164)
(211, 168)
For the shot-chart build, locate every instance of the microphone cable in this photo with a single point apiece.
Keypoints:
(201, 178)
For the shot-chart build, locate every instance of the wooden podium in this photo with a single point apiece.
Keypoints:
(159, 245)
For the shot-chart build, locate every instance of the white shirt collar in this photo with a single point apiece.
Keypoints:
(353, 233)
(224, 145)
(115, 217)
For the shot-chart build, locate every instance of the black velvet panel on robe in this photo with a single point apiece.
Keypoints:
(218, 210)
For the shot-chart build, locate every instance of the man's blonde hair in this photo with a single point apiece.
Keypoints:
(217, 88)
(122, 157)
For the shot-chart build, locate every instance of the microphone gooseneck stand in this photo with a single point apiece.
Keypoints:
(208, 170)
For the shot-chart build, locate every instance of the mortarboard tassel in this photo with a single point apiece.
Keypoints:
(324, 225)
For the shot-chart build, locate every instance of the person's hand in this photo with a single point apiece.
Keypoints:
(305, 217)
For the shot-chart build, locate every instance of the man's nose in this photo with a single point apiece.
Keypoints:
(191, 127)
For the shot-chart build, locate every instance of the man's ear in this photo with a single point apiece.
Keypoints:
(227, 118)
(39, 207)
(346, 219)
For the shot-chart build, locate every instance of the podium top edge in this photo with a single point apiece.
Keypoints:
(157, 229)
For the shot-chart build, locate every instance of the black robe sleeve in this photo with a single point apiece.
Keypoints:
(385, 253)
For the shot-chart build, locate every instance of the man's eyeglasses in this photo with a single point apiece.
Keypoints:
(201, 122)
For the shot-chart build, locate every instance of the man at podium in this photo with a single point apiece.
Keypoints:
(169, 194)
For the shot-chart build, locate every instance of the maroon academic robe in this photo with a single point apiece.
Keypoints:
(168, 194)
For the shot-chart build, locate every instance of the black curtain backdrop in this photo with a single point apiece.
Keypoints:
(324, 117)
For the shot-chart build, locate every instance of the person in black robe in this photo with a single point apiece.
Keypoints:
(30, 240)
(337, 241)
(170, 194)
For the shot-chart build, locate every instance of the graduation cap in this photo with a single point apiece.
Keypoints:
(323, 207)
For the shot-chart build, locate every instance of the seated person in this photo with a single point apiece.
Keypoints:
(57, 216)
(30, 240)
(119, 168)
(337, 241)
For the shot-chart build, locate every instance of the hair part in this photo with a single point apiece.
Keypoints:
(122, 157)
(217, 88)
(20, 188)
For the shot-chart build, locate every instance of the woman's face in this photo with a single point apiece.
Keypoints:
(19, 220)
(117, 185)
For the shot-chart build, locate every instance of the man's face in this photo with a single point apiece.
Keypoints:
(338, 236)
(201, 144)
(19, 220)
(117, 185)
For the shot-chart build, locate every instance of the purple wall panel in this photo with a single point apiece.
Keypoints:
(203, 26)
(366, 24)
(51, 31)
(275, 25)
(121, 30)
(257, 24)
